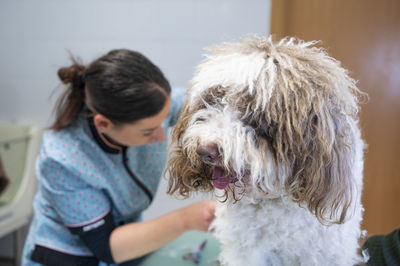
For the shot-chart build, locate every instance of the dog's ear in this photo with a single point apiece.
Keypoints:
(184, 170)
(323, 161)
(178, 169)
(316, 144)
(309, 123)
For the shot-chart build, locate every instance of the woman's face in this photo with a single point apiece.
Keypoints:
(144, 131)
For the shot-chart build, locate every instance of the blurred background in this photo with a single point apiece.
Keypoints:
(37, 36)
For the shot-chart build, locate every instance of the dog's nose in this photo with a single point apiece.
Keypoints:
(208, 152)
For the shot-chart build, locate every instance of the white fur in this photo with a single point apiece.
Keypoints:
(272, 232)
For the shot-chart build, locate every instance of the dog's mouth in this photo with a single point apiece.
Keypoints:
(210, 155)
(222, 178)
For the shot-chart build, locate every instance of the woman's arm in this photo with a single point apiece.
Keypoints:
(137, 239)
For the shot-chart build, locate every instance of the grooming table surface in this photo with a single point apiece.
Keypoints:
(172, 254)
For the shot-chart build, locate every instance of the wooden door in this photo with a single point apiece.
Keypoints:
(365, 36)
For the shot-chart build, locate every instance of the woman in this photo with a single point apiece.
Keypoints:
(100, 164)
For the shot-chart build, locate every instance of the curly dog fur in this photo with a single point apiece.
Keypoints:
(274, 127)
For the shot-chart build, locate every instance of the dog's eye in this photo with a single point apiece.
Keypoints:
(200, 119)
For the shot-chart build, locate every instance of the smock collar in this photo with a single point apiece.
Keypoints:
(103, 141)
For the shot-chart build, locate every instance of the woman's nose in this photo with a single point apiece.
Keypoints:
(208, 152)
(160, 135)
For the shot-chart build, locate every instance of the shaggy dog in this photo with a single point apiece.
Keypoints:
(274, 127)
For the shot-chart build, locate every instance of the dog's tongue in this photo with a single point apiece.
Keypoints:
(220, 178)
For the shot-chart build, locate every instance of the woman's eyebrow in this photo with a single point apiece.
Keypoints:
(148, 129)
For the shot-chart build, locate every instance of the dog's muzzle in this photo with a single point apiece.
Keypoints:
(209, 154)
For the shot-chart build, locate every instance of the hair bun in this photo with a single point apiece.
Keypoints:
(72, 75)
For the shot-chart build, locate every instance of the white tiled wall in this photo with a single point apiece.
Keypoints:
(36, 35)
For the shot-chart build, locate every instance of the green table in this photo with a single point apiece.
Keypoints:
(172, 254)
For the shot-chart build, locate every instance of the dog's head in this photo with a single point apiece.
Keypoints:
(264, 120)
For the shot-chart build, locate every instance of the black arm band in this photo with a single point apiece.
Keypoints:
(96, 236)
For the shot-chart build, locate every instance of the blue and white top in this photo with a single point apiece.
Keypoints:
(85, 181)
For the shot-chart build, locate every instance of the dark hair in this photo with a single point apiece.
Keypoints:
(122, 85)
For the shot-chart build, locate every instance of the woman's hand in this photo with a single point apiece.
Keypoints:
(198, 216)
(136, 239)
